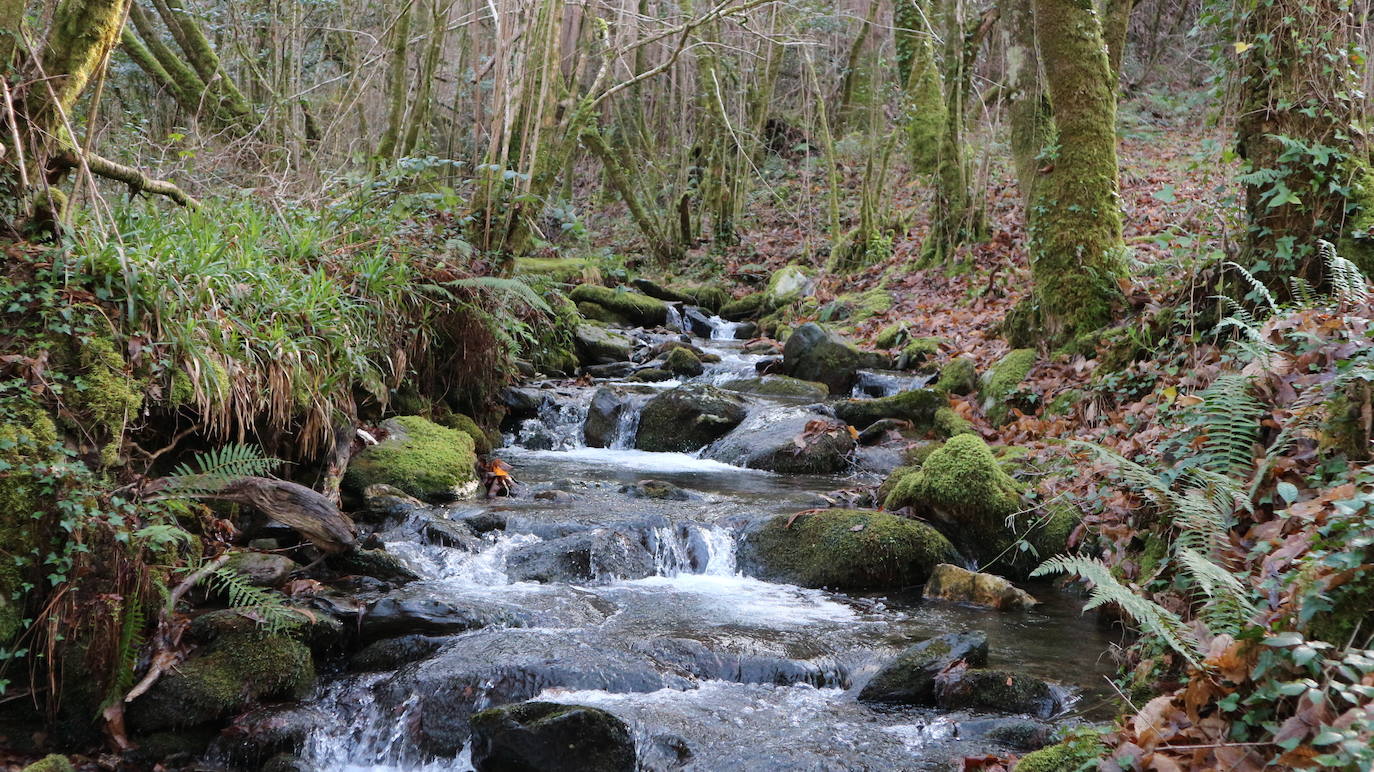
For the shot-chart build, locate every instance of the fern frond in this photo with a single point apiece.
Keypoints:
(1135, 475)
(1230, 424)
(511, 288)
(1219, 585)
(267, 608)
(1256, 286)
(1347, 282)
(215, 468)
(1152, 618)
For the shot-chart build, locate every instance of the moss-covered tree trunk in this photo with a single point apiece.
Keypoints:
(1028, 109)
(1116, 20)
(1076, 249)
(398, 87)
(1298, 102)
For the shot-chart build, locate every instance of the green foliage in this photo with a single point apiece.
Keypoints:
(211, 470)
(266, 608)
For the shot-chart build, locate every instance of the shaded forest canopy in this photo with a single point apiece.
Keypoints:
(1128, 240)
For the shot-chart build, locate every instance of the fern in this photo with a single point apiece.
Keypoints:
(131, 640)
(1347, 282)
(268, 609)
(212, 470)
(1230, 424)
(1152, 618)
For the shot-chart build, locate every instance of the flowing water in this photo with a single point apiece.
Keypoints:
(712, 669)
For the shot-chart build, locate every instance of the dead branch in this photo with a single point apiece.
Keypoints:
(135, 179)
(311, 514)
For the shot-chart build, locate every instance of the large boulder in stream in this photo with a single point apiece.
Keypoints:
(550, 737)
(688, 418)
(780, 386)
(788, 440)
(844, 549)
(999, 691)
(597, 555)
(915, 405)
(911, 678)
(637, 309)
(420, 458)
(420, 610)
(814, 353)
(598, 345)
(604, 414)
(965, 492)
(499, 667)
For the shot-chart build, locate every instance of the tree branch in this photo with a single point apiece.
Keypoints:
(130, 176)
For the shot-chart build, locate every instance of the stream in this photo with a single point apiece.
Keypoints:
(711, 668)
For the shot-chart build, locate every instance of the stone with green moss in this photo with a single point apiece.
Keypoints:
(948, 423)
(750, 306)
(51, 763)
(846, 549)
(814, 353)
(418, 456)
(597, 345)
(481, 443)
(1080, 750)
(866, 305)
(1000, 691)
(636, 308)
(681, 361)
(958, 376)
(788, 284)
(707, 296)
(891, 336)
(566, 270)
(599, 313)
(235, 671)
(918, 352)
(915, 405)
(964, 490)
(779, 386)
(1002, 381)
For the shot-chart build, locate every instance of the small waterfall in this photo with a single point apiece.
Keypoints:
(721, 329)
(627, 425)
(692, 548)
(364, 735)
(558, 426)
(482, 569)
(674, 318)
(886, 383)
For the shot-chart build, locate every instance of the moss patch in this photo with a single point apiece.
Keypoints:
(51, 763)
(566, 270)
(681, 361)
(420, 457)
(638, 309)
(959, 376)
(918, 352)
(1003, 380)
(106, 396)
(917, 405)
(748, 307)
(849, 549)
(891, 336)
(480, 442)
(1078, 751)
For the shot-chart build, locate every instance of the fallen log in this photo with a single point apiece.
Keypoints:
(309, 513)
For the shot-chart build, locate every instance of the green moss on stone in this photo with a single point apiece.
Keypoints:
(849, 549)
(1079, 751)
(566, 270)
(747, 307)
(965, 488)
(480, 442)
(681, 361)
(948, 423)
(51, 763)
(779, 386)
(867, 305)
(959, 376)
(236, 670)
(1003, 380)
(788, 284)
(916, 405)
(637, 308)
(891, 336)
(917, 352)
(420, 457)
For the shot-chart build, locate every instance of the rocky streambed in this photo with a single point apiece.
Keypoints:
(637, 604)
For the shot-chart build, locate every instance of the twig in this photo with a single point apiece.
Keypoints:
(161, 662)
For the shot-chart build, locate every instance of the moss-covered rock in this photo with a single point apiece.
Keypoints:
(552, 737)
(707, 296)
(779, 386)
(891, 336)
(481, 443)
(598, 313)
(566, 270)
(948, 423)
(846, 549)
(235, 671)
(958, 376)
(418, 456)
(788, 284)
(750, 306)
(51, 763)
(1000, 691)
(814, 353)
(916, 405)
(1002, 381)
(1079, 749)
(687, 418)
(650, 375)
(597, 345)
(105, 396)
(966, 492)
(918, 353)
(638, 309)
(681, 361)
(960, 585)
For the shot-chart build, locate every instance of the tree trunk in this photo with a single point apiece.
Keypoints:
(398, 88)
(1116, 20)
(1028, 109)
(1297, 92)
(1076, 249)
